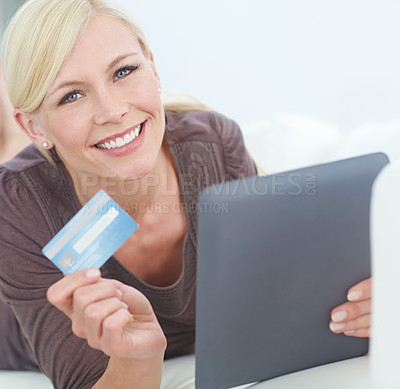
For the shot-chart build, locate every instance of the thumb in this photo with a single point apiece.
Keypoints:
(360, 291)
(137, 302)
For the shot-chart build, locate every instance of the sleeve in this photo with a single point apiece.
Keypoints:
(238, 161)
(25, 276)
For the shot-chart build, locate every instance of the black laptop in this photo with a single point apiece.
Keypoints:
(275, 255)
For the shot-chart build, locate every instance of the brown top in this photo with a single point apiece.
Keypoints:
(37, 200)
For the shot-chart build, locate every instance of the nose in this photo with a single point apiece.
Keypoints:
(109, 107)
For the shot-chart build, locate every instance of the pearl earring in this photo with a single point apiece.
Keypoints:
(159, 89)
(45, 145)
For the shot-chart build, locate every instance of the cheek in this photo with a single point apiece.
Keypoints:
(68, 130)
(144, 94)
(151, 102)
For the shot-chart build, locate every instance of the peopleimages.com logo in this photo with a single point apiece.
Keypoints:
(284, 184)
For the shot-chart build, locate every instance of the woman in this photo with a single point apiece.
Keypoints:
(86, 91)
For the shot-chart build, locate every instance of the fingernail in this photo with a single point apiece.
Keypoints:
(125, 305)
(92, 273)
(336, 326)
(350, 332)
(354, 295)
(119, 293)
(339, 316)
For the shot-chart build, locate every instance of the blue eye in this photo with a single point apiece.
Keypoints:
(123, 72)
(71, 97)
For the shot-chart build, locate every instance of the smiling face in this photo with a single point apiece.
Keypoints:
(103, 113)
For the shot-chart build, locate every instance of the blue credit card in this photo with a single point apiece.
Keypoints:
(92, 236)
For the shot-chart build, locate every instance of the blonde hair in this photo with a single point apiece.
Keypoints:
(40, 38)
(176, 100)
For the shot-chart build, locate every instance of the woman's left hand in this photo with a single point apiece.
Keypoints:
(353, 318)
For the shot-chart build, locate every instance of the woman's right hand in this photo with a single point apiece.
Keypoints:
(112, 317)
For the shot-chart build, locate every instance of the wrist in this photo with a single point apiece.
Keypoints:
(129, 373)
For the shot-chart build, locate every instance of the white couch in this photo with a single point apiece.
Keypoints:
(288, 141)
(23, 380)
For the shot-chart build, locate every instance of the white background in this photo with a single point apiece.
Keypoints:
(336, 61)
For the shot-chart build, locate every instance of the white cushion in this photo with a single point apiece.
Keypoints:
(374, 137)
(23, 380)
(288, 141)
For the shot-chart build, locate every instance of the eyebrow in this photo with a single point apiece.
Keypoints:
(109, 67)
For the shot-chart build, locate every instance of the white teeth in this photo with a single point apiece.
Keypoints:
(119, 142)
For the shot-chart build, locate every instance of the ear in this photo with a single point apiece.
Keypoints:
(153, 66)
(28, 123)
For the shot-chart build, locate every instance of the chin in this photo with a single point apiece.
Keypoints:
(136, 173)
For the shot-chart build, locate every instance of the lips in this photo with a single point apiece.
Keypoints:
(120, 141)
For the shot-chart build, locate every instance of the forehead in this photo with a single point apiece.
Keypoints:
(104, 39)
